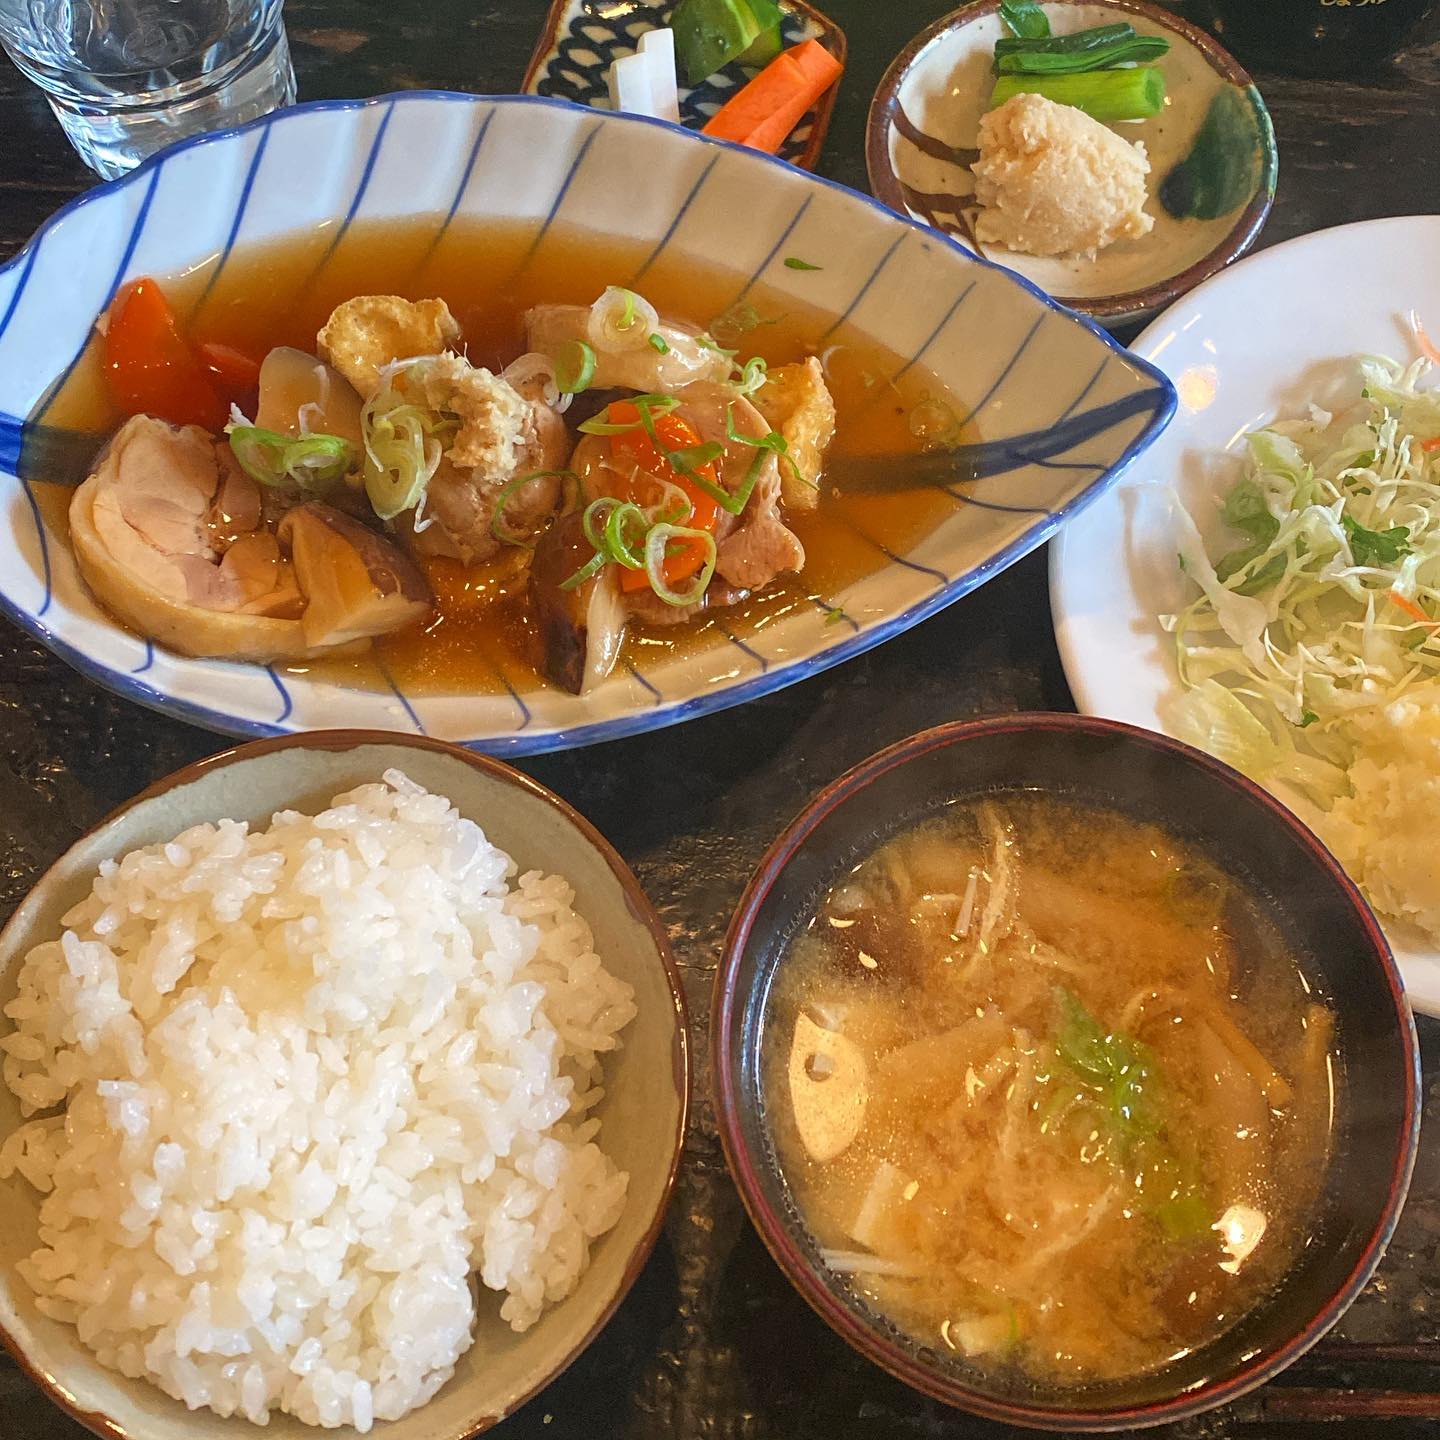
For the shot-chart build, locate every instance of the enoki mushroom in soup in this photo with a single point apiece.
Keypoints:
(1051, 1092)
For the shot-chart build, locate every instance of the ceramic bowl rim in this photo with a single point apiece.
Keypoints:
(1126, 305)
(637, 902)
(845, 1321)
(642, 721)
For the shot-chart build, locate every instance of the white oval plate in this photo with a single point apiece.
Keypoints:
(1028, 365)
(1260, 340)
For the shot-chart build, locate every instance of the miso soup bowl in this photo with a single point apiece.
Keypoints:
(1243, 830)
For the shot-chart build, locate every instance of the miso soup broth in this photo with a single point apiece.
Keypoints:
(1049, 1091)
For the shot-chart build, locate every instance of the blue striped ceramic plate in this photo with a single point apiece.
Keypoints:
(583, 38)
(1029, 364)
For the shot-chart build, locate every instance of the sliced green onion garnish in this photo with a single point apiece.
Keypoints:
(604, 523)
(674, 506)
(731, 324)
(404, 442)
(320, 452)
(620, 550)
(627, 314)
(794, 262)
(774, 442)
(934, 423)
(498, 526)
(310, 462)
(592, 567)
(592, 521)
(622, 534)
(648, 405)
(735, 503)
(657, 544)
(574, 367)
(260, 452)
(596, 426)
(655, 402)
(679, 459)
(658, 344)
(692, 457)
(753, 374)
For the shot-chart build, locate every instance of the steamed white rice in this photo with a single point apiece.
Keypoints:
(310, 1079)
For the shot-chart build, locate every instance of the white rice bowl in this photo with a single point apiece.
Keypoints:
(314, 1078)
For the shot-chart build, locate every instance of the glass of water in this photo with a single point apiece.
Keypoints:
(128, 77)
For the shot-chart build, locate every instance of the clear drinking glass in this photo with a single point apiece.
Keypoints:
(127, 77)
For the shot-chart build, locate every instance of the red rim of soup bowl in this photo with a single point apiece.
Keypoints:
(806, 1277)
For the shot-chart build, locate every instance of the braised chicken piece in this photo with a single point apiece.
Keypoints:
(624, 469)
(749, 550)
(172, 541)
(628, 361)
(502, 435)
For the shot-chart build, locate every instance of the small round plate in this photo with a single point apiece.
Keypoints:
(924, 124)
(1113, 571)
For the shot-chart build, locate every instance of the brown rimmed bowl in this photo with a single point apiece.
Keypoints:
(1249, 835)
(646, 1081)
(923, 126)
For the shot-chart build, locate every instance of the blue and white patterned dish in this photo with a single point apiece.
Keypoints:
(583, 38)
(985, 334)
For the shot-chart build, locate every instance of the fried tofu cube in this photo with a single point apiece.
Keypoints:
(796, 401)
(367, 333)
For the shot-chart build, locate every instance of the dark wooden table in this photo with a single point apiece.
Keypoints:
(712, 1342)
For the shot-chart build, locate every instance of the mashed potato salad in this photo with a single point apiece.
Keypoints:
(1052, 181)
(295, 1086)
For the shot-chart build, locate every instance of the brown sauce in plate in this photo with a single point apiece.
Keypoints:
(479, 638)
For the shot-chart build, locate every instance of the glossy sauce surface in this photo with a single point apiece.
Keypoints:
(479, 638)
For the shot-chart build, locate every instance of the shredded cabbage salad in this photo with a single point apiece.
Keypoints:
(1326, 600)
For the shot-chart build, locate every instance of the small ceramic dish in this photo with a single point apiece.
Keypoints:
(642, 1115)
(581, 39)
(924, 124)
(1230, 822)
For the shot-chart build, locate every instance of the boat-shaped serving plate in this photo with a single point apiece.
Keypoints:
(1026, 367)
